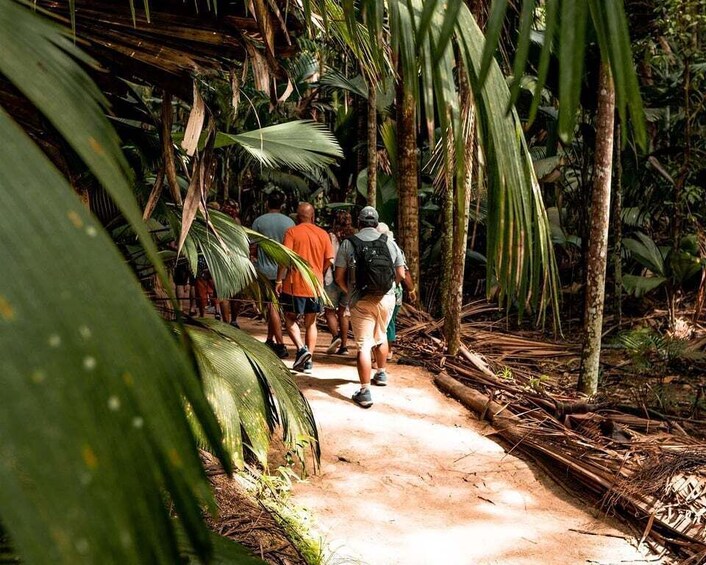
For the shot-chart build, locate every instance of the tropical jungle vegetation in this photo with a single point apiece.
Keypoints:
(546, 154)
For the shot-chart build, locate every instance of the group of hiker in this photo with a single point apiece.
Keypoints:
(363, 273)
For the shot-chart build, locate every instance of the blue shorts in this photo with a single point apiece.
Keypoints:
(300, 304)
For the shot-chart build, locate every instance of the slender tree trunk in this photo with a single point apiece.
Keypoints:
(455, 266)
(361, 126)
(598, 238)
(447, 239)
(408, 180)
(372, 145)
(618, 231)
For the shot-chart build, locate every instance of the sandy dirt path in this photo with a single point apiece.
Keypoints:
(415, 480)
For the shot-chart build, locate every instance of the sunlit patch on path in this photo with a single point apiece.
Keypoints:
(414, 481)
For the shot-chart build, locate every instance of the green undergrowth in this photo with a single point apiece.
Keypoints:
(274, 492)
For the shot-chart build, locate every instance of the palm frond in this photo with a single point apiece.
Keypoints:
(287, 258)
(302, 145)
(646, 252)
(520, 254)
(225, 246)
(84, 397)
(334, 79)
(568, 20)
(30, 42)
(225, 552)
(226, 249)
(252, 392)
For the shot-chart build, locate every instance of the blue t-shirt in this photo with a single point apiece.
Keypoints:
(272, 225)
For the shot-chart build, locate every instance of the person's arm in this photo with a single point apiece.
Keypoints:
(408, 284)
(282, 270)
(281, 273)
(397, 260)
(340, 273)
(341, 278)
(329, 256)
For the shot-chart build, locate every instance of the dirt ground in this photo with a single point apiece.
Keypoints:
(417, 480)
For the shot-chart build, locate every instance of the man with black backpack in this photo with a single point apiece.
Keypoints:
(368, 265)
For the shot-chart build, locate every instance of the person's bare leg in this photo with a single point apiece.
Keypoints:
(224, 306)
(381, 355)
(332, 321)
(201, 296)
(192, 298)
(274, 324)
(290, 322)
(343, 324)
(364, 365)
(268, 318)
(182, 292)
(311, 333)
(235, 307)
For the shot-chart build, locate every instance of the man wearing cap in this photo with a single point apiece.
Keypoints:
(370, 314)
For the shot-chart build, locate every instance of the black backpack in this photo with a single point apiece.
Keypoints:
(374, 270)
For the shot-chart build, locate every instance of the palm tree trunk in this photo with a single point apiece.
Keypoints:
(598, 237)
(408, 179)
(361, 127)
(372, 145)
(447, 238)
(455, 267)
(618, 232)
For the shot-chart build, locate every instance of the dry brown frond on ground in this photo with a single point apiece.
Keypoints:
(646, 466)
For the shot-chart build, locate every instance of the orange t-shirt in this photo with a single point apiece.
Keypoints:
(313, 245)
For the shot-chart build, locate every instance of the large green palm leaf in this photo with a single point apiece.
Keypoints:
(93, 432)
(566, 23)
(301, 144)
(92, 427)
(520, 254)
(251, 392)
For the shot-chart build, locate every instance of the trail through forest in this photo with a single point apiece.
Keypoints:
(416, 480)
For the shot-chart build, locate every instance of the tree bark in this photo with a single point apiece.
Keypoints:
(372, 145)
(455, 268)
(408, 179)
(447, 241)
(598, 237)
(618, 232)
(361, 127)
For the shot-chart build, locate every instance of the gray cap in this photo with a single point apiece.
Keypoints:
(368, 214)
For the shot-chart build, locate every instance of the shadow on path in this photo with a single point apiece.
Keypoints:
(414, 480)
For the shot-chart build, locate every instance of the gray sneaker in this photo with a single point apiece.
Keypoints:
(380, 378)
(308, 367)
(303, 355)
(335, 342)
(363, 398)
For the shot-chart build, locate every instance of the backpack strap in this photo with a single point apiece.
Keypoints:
(357, 242)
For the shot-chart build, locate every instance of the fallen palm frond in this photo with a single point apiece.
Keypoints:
(642, 465)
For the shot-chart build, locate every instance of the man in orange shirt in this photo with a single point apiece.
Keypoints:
(296, 296)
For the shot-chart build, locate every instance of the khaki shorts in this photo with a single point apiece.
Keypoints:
(369, 320)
